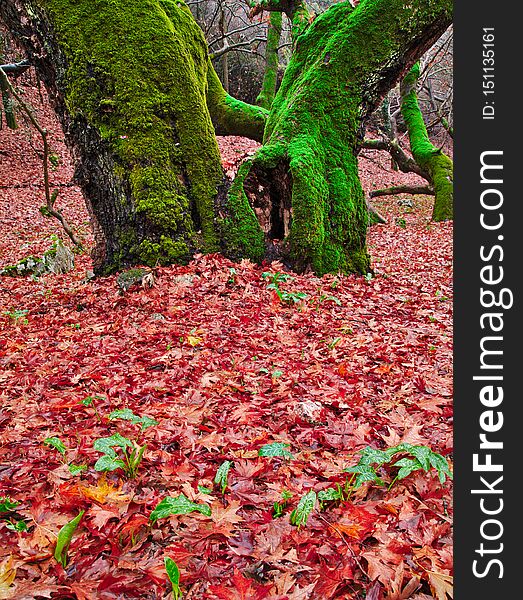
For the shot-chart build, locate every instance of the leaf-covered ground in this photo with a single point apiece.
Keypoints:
(224, 367)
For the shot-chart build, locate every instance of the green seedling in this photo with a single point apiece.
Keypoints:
(336, 494)
(64, 539)
(90, 401)
(17, 316)
(173, 573)
(126, 414)
(423, 458)
(232, 276)
(119, 453)
(284, 296)
(278, 508)
(275, 449)
(222, 474)
(300, 515)
(328, 298)
(19, 525)
(177, 505)
(57, 444)
(7, 504)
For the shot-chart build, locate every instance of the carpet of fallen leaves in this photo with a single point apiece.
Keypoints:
(224, 367)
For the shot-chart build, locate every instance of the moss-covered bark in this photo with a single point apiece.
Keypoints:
(431, 159)
(343, 64)
(231, 116)
(139, 102)
(270, 76)
(129, 82)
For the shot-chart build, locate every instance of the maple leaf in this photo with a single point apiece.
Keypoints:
(441, 585)
(104, 491)
(7, 577)
(242, 589)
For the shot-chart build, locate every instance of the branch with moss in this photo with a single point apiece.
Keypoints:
(230, 116)
(404, 162)
(403, 189)
(50, 198)
(296, 10)
(270, 77)
(429, 157)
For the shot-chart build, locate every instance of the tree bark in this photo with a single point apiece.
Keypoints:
(270, 77)
(128, 82)
(343, 64)
(139, 103)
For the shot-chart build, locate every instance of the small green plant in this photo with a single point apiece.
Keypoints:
(64, 539)
(333, 343)
(17, 316)
(7, 504)
(8, 511)
(368, 277)
(328, 298)
(222, 475)
(335, 494)
(57, 444)
(126, 414)
(54, 159)
(401, 223)
(275, 449)
(177, 505)
(278, 508)
(421, 458)
(173, 573)
(300, 515)
(284, 296)
(90, 401)
(440, 296)
(119, 452)
(232, 276)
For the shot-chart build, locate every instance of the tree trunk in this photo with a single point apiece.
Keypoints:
(132, 84)
(128, 81)
(342, 66)
(430, 158)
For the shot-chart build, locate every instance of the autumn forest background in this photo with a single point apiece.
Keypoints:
(221, 426)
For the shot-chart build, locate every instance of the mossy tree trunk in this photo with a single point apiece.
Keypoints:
(343, 64)
(140, 104)
(431, 159)
(130, 81)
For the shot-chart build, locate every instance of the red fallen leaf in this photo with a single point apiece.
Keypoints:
(374, 591)
(331, 579)
(241, 589)
(356, 522)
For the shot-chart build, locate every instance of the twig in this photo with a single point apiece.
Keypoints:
(50, 198)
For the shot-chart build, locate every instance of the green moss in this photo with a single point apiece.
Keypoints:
(270, 77)
(137, 72)
(165, 252)
(231, 116)
(240, 230)
(437, 164)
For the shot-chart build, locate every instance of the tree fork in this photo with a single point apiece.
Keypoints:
(430, 158)
(314, 131)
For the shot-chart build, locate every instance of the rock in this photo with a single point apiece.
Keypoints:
(135, 277)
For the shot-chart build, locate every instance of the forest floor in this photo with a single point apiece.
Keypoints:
(228, 371)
